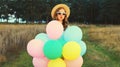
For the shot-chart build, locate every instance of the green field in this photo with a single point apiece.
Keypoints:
(103, 45)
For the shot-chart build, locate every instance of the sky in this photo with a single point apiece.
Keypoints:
(11, 19)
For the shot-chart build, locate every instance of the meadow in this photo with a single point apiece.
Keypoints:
(102, 41)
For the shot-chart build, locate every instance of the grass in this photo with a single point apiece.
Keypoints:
(100, 52)
(109, 37)
(24, 60)
(14, 38)
(102, 42)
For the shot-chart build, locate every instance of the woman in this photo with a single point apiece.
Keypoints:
(61, 13)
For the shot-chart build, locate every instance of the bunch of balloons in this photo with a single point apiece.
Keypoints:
(56, 47)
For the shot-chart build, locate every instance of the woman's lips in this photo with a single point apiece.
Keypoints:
(61, 17)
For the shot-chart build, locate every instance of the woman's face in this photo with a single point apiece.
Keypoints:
(61, 14)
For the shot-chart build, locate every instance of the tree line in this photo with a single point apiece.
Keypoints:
(82, 11)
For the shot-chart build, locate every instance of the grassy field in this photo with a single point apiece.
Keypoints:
(103, 45)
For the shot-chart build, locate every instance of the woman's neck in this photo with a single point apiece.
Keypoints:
(60, 21)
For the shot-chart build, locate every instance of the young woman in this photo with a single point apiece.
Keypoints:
(61, 13)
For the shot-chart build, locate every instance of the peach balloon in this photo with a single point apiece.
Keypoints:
(40, 62)
(74, 63)
(54, 29)
(34, 48)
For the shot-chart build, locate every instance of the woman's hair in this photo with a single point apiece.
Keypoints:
(65, 20)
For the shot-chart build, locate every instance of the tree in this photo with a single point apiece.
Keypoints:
(4, 9)
(91, 11)
(110, 12)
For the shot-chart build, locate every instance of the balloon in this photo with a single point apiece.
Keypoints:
(71, 50)
(42, 36)
(74, 63)
(34, 48)
(56, 63)
(83, 47)
(62, 40)
(54, 29)
(73, 33)
(52, 49)
(40, 62)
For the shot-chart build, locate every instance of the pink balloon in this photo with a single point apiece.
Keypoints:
(54, 29)
(40, 62)
(74, 63)
(35, 48)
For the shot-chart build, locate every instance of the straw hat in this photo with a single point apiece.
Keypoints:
(58, 6)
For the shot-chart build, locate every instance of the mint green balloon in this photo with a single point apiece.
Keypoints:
(73, 33)
(52, 49)
(62, 40)
(42, 36)
(83, 47)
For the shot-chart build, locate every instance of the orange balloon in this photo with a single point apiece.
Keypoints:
(74, 63)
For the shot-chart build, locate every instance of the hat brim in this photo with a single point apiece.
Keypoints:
(58, 6)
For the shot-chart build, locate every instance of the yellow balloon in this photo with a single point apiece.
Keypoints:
(71, 50)
(56, 63)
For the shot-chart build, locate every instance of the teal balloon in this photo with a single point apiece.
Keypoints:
(62, 40)
(73, 33)
(42, 36)
(52, 49)
(83, 47)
